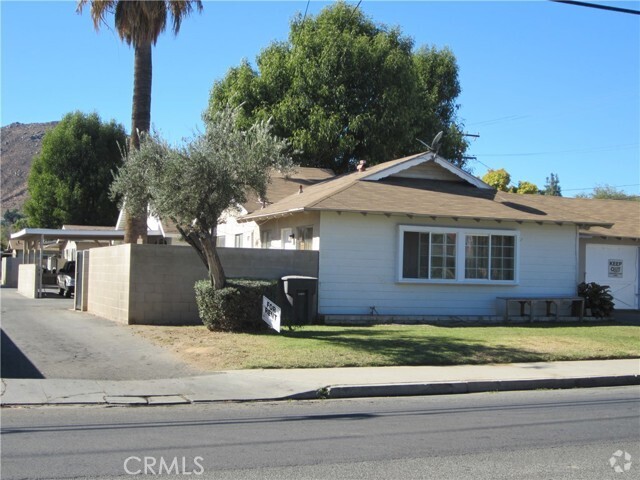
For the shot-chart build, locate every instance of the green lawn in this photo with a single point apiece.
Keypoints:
(382, 345)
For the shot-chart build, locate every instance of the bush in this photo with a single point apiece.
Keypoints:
(235, 308)
(597, 298)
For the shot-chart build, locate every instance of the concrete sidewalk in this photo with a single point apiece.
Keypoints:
(252, 385)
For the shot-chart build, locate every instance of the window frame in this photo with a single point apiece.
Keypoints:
(460, 255)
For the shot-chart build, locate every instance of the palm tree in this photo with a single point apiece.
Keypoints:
(140, 23)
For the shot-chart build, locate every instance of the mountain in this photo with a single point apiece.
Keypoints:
(19, 143)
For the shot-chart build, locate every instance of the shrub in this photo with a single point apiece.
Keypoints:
(235, 308)
(597, 298)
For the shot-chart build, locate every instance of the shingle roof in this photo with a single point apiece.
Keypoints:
(281, 186)
(431, 198)
(624, 214)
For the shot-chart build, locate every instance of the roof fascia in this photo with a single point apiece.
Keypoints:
(268, 216)
(428, 157)
(51, 233)
(461, 173)
(399, 167)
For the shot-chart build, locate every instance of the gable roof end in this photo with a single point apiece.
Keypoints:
(421, 158)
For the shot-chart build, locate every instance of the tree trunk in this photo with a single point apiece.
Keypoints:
(136, 225)
(216, 272)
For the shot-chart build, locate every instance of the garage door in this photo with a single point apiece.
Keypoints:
(616, 266)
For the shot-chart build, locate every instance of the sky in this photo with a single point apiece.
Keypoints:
(549, 87)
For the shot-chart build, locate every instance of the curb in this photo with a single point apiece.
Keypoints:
(452, 388)
(353, 391)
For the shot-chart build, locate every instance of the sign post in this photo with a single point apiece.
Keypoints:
(271, 314)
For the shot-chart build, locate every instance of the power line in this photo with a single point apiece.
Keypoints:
(601, 7)
(305, 12)
(576, 150)
(593, 188)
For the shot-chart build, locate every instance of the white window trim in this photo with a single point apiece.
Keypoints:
(461, 234)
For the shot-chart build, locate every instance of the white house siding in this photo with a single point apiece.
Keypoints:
(230, 228)
(358, 268)
(294, 221)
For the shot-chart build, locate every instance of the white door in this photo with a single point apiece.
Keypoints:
(616, 266)
(287, 238)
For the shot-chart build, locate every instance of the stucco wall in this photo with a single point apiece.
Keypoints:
(10, 271)
(27, 285)
(153, 284)
(359, 265)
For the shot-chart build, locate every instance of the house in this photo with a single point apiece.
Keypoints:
(420, 237)
(159, 231)
(231, 233)
(69, 248)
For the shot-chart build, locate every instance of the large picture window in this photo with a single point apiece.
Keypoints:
(489, 257)
(457, 255)
(429, 255)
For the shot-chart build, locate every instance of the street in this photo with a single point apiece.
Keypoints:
(538, 434)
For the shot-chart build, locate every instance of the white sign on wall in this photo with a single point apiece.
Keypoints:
(615, 268)
(271, 314)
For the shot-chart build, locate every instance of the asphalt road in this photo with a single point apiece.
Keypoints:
(569, 434)
(45, 338)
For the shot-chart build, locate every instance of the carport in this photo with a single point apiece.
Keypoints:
(36, 241)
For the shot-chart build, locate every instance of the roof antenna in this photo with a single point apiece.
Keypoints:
(435, 143)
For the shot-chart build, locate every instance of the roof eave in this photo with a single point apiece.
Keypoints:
(268, 216)
(579, 223)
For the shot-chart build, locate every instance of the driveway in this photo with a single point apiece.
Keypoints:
(46, 338)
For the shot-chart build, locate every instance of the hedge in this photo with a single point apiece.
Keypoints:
(235, 308)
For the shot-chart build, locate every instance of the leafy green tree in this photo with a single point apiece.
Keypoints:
(501, 179)
(69, 180)
(193, 185)
(11, 216)
(526, 188)
(498, 179)
(140, 23)
(552, 187)
(607, 192)
(5, 233)
(343, 88)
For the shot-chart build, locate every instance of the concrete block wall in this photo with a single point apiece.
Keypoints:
(269, 264)
(109, 282)
(10, 271)
(161, 286)
(154, 284)
(27, 280)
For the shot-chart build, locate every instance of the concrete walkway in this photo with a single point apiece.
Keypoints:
(252, 385)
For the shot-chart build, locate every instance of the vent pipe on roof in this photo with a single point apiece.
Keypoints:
(300, 189)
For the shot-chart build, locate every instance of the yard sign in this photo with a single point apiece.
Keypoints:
(271, 314)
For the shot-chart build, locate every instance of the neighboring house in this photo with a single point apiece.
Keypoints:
(159, 232)
(231, 233)
(418, 236)
(70, 248)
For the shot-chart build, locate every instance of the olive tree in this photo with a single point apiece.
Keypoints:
(192, 185)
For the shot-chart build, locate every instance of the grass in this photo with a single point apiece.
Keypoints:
(385, 345)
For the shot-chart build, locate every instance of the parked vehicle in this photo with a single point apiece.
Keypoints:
(66, 279)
